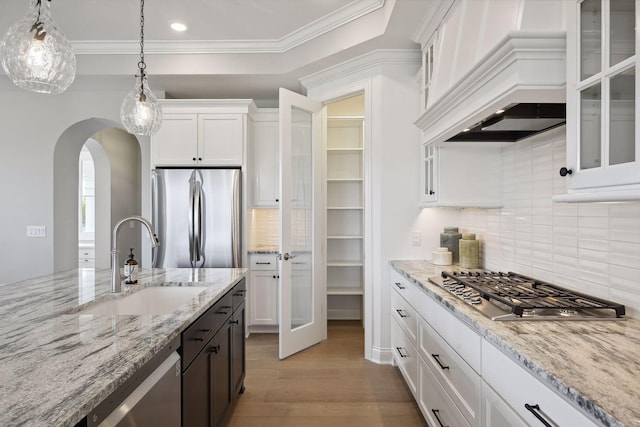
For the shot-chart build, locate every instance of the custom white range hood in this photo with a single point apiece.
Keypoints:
(491, 55)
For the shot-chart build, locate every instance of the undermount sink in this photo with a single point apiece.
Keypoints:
(153, 300)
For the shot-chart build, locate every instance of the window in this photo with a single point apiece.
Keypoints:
(86, 193)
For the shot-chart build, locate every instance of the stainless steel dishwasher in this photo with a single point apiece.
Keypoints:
(155, 400)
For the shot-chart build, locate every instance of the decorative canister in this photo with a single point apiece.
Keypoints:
(449, 239)
(469, 251)
(442, 256)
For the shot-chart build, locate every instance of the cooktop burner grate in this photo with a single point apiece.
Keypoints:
(523, 294)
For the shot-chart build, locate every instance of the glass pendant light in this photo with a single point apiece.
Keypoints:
(140, 112)
(36, 55)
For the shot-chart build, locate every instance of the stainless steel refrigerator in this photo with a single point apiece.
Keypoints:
(197, 217)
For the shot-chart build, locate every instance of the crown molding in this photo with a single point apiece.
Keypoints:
(207, 105)
(432, 20)
(361, 63)
(322, 26)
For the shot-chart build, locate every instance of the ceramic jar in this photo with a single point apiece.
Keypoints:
(442, 256)
(449, 239)
(469, 251)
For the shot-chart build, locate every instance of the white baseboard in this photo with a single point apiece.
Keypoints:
(344, 314)
(263, 329)
(382, 356)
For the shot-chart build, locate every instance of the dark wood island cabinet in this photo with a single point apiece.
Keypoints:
(213, 361)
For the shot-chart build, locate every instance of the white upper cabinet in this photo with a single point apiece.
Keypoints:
(265, 158)
(602, 116)
(461, 175)
(201, 133)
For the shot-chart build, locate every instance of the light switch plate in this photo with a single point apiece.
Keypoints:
(36, 231)
(416, 238)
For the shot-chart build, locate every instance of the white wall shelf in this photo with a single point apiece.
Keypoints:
(345, 212)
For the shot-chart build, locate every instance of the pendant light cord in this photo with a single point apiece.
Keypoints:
(141, 64)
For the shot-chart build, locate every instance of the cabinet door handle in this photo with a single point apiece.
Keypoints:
(214, 349)
(401, 313)
(263, 263)
(401, 352)
(221, 312)
(399, 285)
(431, 192)
(436, 357)
(435, 414)
(535, 410)
(564, 171)
(234, 322)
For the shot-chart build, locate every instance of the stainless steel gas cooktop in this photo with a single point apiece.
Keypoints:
(512, 296)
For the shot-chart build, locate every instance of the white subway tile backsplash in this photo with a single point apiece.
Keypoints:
(600, 234)
(593, 222)
(590, 247)
(625, 253)
(624, 210)
(593, 209)
(565, 251)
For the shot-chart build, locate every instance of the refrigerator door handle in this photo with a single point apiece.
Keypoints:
(154, 212)
(192, 195)
(198, 241)
(235, 226)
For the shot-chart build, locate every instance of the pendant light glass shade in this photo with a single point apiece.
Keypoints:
(36, 55)
(140, 112)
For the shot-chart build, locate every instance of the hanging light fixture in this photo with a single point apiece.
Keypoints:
(140, 112)
(36, 55)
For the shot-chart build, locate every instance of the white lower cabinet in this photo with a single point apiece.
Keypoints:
(527, 396)
(461, 383)
(405, 356)
(434, 402)
(460, 379)
(496, 412)
(263, 290)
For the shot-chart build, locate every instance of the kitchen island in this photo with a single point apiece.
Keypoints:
(57, 364)
(595, 364)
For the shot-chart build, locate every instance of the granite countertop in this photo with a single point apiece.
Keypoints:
(594, 364)
(57, 365)
(266, 250)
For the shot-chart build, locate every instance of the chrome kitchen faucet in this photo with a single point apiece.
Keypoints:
(116, 276)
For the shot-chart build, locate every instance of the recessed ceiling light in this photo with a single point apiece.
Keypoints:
(178, 26)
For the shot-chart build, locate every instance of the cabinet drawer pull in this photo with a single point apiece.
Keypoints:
(401, 352)
(399, 285)
(221, 312)
(263, 263)
(234, 322)
(401, 313)
(435, 414)
(535, 410)
(205, 331)
(436, 357)
(214, 349)
(239, 293)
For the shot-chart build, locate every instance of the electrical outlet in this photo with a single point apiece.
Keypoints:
(36, 231)
(416, 238)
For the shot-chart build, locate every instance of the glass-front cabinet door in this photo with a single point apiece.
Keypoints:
(602, 116)
(428, 192)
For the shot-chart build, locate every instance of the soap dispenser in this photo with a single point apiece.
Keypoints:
(131, 269)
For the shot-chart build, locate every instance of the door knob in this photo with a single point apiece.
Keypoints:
(287, 257)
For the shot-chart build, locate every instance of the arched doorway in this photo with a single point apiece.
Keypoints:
(117, 158)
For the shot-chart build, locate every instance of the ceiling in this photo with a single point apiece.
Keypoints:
(232, 48)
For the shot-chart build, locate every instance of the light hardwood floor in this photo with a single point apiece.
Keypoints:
(328, 385)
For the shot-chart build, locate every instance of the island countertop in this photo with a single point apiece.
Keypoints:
(57, 364)
(595, 364)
